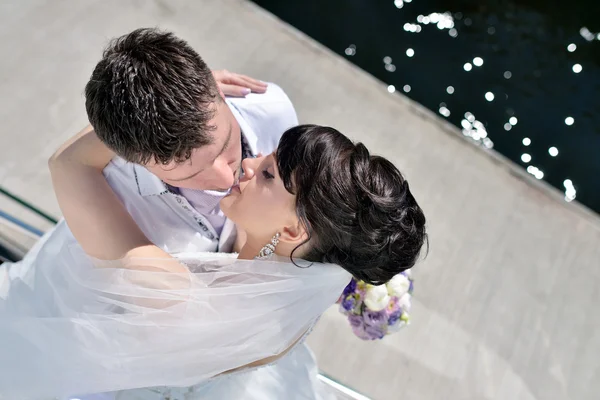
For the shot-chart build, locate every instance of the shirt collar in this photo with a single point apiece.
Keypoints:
(150, 185)
(247, 131)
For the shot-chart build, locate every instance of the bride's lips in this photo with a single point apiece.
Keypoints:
(236, 189)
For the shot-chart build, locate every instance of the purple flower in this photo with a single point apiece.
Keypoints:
(360, 332)
(350, 288)
(394, 317)
(411, 287)
(356, 321)
(365, 331)
(393, 306)
(375, 318)
(374, 332)
(349, 303)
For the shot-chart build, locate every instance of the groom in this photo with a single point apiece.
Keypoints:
(169, 144)
(175, 141)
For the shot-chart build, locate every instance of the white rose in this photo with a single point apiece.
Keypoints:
(398, 286)
(404, 302)
(377, 297)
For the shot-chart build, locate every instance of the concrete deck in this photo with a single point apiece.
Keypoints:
(506, 302)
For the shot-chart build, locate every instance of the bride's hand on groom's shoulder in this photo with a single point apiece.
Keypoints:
(237, 85)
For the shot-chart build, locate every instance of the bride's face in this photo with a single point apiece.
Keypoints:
(261, 205)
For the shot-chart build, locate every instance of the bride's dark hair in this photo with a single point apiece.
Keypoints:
(357, 208)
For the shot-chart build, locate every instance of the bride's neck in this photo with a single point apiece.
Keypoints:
(248, 251)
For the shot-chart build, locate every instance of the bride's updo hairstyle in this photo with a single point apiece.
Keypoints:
(357, 208)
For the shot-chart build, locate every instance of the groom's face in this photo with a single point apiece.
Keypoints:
(215, 166)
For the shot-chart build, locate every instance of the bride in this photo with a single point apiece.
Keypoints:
(153, 325)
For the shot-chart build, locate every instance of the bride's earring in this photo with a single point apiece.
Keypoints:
(268, 250)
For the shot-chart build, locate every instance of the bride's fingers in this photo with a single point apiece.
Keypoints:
(246, 82)
(255, 85)
(238, 85)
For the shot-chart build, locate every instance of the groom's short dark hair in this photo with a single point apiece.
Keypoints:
(151, 97)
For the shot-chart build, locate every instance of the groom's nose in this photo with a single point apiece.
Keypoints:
(223, 174)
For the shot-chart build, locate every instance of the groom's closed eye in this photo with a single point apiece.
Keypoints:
(225, 146)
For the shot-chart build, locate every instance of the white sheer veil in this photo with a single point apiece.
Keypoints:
(84, 326)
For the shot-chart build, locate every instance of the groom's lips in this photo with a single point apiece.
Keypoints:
(236, 185)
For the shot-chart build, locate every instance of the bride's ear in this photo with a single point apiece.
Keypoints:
(295, 233)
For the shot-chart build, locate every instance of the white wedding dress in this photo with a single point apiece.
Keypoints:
(87, 329)
(292, 377)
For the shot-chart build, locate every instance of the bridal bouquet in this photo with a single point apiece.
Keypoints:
(376, 311)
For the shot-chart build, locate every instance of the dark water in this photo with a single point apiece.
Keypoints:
(521, 77)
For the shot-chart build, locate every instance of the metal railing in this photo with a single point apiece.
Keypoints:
(10, 249)
(28, 205)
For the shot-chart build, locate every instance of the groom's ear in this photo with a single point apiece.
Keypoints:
(295, 233)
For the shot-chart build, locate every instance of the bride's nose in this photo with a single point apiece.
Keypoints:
(249, 165)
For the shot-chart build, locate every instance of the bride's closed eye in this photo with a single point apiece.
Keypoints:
(267, 175)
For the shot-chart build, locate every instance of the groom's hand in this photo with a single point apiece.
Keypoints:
(237, 85)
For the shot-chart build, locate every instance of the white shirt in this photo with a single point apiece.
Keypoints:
(207, 203)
